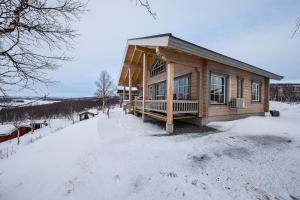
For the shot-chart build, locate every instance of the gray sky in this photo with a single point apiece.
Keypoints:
(257, 32)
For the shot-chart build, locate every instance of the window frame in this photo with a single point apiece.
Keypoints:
(156, 85)
(157, 67)
(258, 91)
(225, 77)
(182, 77)
(240, 86)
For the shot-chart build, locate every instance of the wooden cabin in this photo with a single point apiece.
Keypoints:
(86, 115)
(123, 93)
(179, 80)
(38, 124)
(9, 132)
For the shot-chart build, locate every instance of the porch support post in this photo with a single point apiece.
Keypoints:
(130, 82)
(170, 86)
(145, 62)
(124, 93)
(204, 100)
(266, 94)
(197, 69)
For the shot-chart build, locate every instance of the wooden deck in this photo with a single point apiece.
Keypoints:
(156, 109)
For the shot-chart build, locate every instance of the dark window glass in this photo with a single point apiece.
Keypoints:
(217, 89)
(182, 88)
(158, 66)
(160, 91)
(240, 85)
(255, 92)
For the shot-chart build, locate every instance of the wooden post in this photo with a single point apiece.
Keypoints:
(198, 91)
(170, 87)
(130, 83)
(145, 61)
(123, 95)
(204, 100)
(266, 94)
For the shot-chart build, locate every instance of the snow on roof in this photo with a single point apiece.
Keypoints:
(127, 88)
(6, 129)
(92, 111)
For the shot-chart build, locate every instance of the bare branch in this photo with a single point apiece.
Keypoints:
(297, 28)
(146, 4)
(34, 36)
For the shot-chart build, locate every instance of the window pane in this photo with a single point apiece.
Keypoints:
(217, 89)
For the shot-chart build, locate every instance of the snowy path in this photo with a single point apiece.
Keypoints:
(118, 158)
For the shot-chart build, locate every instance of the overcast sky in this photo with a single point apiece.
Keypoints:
(257, 32)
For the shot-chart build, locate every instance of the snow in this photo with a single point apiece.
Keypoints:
(121, 158)
(30, 102)
(6, 129)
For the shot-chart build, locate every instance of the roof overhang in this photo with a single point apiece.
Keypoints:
(168, 40)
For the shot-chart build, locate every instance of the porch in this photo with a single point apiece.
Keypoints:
(167, 89)
(157, 109)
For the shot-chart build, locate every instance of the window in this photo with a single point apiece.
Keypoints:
(255, 92)
(240, 85)
(157, 67)
(182, 87)
(160, 91)
(150, 92)
(217, 89)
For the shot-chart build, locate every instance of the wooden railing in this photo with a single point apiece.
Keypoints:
(179, 106)
(125, 101)
(185, 106)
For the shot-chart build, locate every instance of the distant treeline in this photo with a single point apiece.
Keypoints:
(54, 110)
(285, 92)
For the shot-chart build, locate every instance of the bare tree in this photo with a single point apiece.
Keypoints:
(146, 4)
(297, 28)
(17, 123)
(34, 35)
(105, 87)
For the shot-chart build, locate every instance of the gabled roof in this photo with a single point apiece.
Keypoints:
(168, 40)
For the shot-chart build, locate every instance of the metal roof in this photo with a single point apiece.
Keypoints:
(168, 40)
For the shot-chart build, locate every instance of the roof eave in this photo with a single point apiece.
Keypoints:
(214, 56)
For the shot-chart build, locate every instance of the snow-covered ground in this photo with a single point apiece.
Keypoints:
(121, 158)
(31, 102)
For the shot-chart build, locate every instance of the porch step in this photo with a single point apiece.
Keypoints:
(154, 115)
(163, 118)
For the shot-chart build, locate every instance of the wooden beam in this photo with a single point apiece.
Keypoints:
(130, 83)
(132, 65)
(145, 49)
(139, 57)
(204, 94)
(144, 83)
(198, 92)
(173, 56)
(266, 94)
(170, 87)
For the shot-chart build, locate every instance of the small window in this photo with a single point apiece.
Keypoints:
(182, 88)
(256, 92)
(157, 67)
(160, 91)
(240, 85)
(217, 89)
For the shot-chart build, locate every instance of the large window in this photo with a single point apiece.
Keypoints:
(256, 92)
(182, 87)
(160, 91)
(217, 89)
(240, 85)
(157, 67)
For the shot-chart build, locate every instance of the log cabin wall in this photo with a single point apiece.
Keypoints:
(179, 70)
(233, 74)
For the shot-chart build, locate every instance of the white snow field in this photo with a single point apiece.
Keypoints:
(120, 158)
